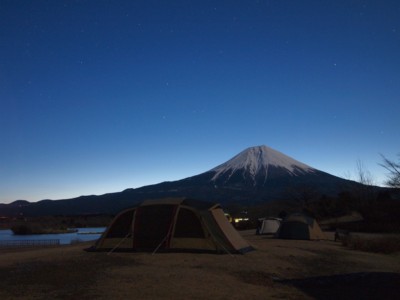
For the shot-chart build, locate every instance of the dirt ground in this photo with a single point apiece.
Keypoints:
(277, 269)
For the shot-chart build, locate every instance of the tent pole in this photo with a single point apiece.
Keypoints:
(113, 249)
(165, 238)
(226, 250)
(168, 233)
(217, 242)
(159, 245)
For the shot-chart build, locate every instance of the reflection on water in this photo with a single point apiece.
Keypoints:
(81, 235)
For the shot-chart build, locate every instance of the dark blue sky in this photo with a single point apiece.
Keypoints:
(99, 96)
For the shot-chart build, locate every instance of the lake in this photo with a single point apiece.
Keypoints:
(82, 235)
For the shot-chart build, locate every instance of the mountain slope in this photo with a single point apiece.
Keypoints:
(256, 175)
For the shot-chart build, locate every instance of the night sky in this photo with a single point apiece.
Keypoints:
(100, 96)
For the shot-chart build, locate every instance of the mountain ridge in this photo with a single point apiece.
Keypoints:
(256, 175)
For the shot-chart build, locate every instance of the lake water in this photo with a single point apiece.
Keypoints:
(82, 235)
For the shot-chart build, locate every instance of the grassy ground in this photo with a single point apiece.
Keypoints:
(381, 244)
(278, 269)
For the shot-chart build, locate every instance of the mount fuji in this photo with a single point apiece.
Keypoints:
(256, 175)
(255, 165)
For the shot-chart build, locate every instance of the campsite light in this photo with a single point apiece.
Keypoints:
(237, 220)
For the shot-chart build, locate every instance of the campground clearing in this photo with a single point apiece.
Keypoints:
(278, 269)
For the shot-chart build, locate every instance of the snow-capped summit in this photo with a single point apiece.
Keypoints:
(257, 164)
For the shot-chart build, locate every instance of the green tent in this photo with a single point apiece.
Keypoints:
(298, 226)
(172, 224)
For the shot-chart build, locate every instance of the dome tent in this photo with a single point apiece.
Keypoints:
(172, 224)
(298, 226)
(268, 225)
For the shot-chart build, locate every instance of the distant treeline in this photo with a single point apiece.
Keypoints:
(56, 224)
(379, 208)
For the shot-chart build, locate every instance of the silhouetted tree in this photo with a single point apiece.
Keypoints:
(365, 193)
(363, 175)
(302, 196)
(394, 171)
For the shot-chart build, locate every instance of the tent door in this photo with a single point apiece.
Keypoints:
(152, 226)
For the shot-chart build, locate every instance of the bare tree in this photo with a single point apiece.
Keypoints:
(365, 193)
(363, 175)
(394, 171)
